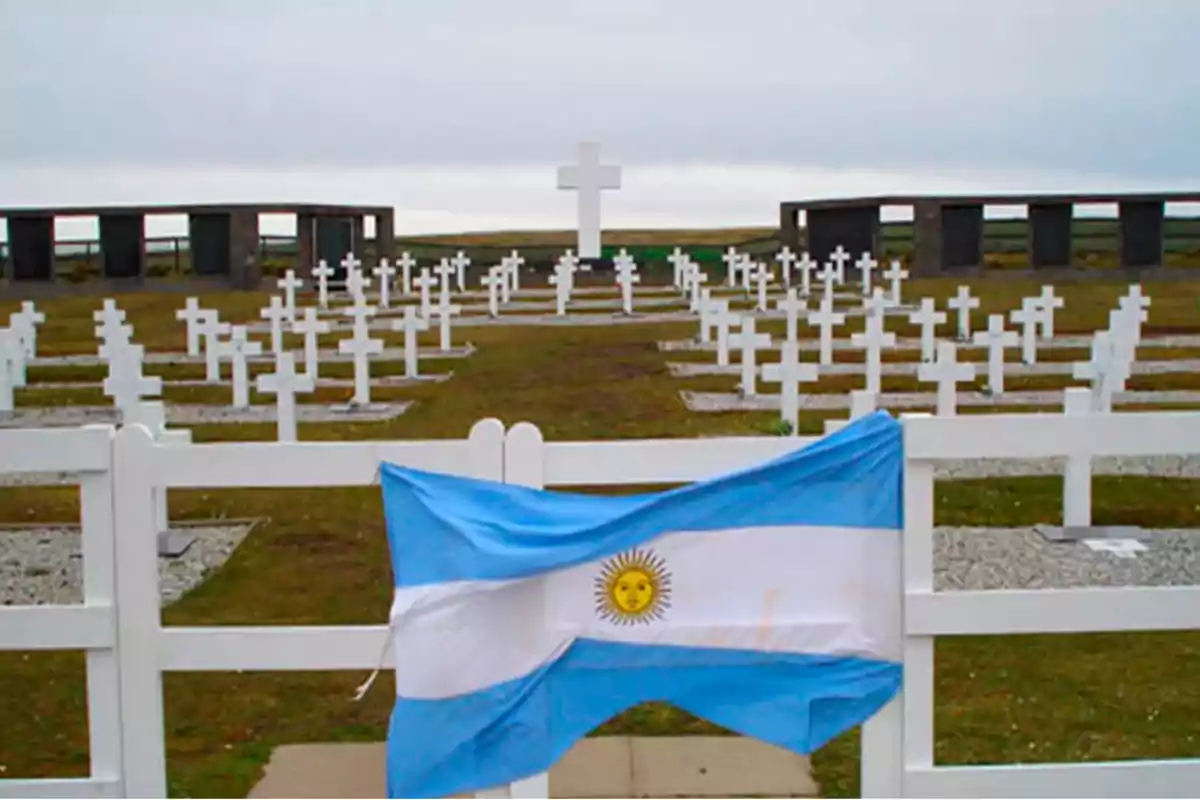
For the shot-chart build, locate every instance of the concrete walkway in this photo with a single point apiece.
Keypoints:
(611, 766)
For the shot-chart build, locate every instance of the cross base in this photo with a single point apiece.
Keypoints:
(173, 544)
(358, 408)
(1078, 533)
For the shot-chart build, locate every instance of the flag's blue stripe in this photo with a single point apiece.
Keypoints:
(445, 528)
(437, 748)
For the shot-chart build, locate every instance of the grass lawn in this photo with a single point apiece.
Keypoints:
(319, 557)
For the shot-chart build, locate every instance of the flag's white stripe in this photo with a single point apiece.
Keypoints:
(818, 590)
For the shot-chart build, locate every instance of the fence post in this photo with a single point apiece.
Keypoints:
(1077, 473)
(486, 443)
(523, 466)
(139, 614)
(99, 589)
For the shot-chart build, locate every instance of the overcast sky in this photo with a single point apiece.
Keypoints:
(456, 111)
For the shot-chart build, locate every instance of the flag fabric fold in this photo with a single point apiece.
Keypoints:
(765, 601)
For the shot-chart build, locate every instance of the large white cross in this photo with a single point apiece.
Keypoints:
(896, 274)
(290, 283)
(587, 178)
(789, 373)
(996, 337)
(826, 318)
(865, 264)
(284, 383)
(109, 320)
(276, 315)
(237, 349)
(444, 311)
(805, 267)
(839, 257)
(786, 259)
(424, 283)
(192, 315)
(384, 272)
(626, 277)
(762, 277)
(791, 306)
(947, 371)
(873, 339)
(309, 327)
(126, 384)
(928, 317)
(750, 341)
(406, 262)
(323, 272)
(360, 345)
(460, 262)
(25, 322)
(963, 303)
(1046, 305)
(411, 324)
(1027, 317)
(211, 330)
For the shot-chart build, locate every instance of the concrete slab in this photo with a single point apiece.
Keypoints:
(611, 766)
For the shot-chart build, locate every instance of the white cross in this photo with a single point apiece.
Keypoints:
(126, 384)
(946, 372)
(423, 284)
(460, 262)
(506, 268)
(789, 373)
(895, 273)
(356, 285)
(805, 267)
(1027, 317)
(411, 324)
(1046, 304)
(696, 280)
(1103, 370)
(384, 272)
(677, 258)
(733, 260)
(309, 327)
(276, 314)
(626, 277)
(708, 306)
(588, 177)
(444, 310)
(791, 306)
(561, 281)
(26, 321)
(786, 259)
(284, 383)
(492, 281)
(744, 269)
(237, 349)
(350, 263)
(570, 263)
(866, 264)
(722, 322)
(963, 303)
(444, 270)
(211, 329)
(406, 262)
(360, 345)
(323, 273)
(928, 317)
(109, 318)
(826, 318)
(996, 338)
(762, 277)
(873, 339)
(191, 315)
(515, 262)
(839, 258)
(9, 347)
(750, 341)
(290, 283)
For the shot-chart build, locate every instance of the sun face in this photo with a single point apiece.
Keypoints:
(632, 588)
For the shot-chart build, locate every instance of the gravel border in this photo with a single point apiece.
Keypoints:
(324, 356)
(724, 401)
(685, 369)
(811, 343)
(71, 416)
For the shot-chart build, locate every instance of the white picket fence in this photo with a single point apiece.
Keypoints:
(128, 649)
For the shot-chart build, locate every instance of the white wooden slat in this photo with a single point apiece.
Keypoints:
(274, 647)
(56, 627)
(1126, 608)
(1180, 778)
(55, 449)
(60, 787)
(1051, 435)
(649, 461)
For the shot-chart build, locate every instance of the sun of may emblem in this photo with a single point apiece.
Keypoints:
(632, 588)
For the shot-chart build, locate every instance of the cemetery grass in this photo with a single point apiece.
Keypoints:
(319, 557)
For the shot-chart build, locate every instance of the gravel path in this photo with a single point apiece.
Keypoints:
(45, 565)
(70, 416)
(843, 343)
(723, 401)
(1011, 368)
(324, 356)
(385, 381)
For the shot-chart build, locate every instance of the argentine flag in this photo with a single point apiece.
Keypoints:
(765, 601)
